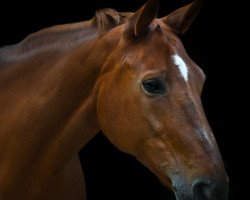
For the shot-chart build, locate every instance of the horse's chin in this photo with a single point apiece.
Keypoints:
(179, 197)
(175, 193)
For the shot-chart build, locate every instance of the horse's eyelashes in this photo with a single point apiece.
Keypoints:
(154, 86)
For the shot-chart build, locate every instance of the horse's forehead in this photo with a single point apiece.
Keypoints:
(162, 53)
(162, 44)
(162, 49)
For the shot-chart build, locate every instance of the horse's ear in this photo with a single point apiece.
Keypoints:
(181, 19)
(139, 22)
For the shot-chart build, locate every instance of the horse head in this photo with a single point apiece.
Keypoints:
(149, 104)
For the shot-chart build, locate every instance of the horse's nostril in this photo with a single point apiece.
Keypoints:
(202, 190)
(208, 190)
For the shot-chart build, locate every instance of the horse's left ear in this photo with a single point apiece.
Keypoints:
(181, 19)
(142, 18)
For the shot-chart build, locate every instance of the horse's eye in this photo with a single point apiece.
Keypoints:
(154, 86)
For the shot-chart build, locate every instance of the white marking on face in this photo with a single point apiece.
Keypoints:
(178, 61)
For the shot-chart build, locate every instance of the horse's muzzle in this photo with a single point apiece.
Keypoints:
(206, 189)
(202, 189)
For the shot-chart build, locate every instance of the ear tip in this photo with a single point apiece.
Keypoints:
(198, 3)
(141, 19)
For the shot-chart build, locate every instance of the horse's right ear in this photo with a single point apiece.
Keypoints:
(142, 18)
(180, 20)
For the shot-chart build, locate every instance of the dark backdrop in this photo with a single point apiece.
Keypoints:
(215, 42)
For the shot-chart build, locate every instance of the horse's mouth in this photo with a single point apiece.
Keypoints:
(202, 191)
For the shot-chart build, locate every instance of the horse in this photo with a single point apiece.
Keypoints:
(126, 74)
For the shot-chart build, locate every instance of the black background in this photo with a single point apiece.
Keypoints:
(215, 41)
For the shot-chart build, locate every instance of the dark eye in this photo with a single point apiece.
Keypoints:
(154, 86)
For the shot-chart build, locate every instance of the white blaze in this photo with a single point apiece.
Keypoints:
(178, 61)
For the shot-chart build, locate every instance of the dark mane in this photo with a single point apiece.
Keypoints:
(68, 35)
(106, 19)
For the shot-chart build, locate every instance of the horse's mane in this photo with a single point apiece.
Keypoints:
(66, 35)
(106, 19)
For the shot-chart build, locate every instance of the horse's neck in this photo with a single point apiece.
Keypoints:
(47, 50)
(56, 38)
(49, 100)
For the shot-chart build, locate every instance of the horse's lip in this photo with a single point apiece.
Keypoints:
(177, 196)
(181, 192)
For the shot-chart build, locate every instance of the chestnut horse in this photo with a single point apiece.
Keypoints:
(126, 74)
